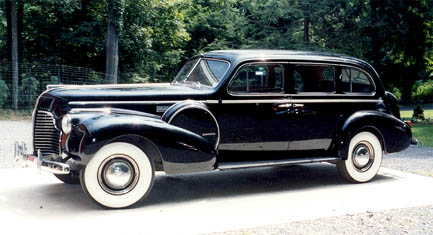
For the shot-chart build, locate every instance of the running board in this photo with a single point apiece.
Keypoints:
(249, 164)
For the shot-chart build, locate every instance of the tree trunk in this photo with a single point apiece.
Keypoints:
(14, 52)
(374, 4)
(20, 18)
(112, 55)
(408, 82)
(9, 30)
(306, 30)
(307, 24)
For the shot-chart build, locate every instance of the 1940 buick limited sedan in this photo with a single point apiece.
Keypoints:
(224, 110)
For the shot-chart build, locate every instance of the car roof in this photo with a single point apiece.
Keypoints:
(241, 55)
(247, 54)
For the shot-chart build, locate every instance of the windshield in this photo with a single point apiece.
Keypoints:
(200, 73)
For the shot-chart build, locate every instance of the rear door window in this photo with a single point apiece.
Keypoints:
(314, 78)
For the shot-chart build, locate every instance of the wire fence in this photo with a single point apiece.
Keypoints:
(34, 78)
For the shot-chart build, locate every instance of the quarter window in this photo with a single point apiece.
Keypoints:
(258, 78)
(355, 81)
(314, 78)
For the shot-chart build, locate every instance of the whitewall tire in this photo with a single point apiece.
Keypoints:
(119, 175)
(363, 160)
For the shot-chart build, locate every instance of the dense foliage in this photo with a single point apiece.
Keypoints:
(155, 36)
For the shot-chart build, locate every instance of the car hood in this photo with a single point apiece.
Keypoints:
(129, 92)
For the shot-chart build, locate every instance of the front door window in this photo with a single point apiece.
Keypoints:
(258, 78)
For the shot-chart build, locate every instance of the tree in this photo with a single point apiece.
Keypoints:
(153, 41)
(115, 18)
(403, 42)
(13, 47)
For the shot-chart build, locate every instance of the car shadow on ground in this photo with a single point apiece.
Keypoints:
(238, 183)
(191, 187)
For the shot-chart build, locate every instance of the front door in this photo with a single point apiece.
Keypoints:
(249, 118)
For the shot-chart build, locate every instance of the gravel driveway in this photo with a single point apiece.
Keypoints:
(399, 221)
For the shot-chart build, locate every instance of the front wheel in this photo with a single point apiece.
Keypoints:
(119, 175)
(363, 160)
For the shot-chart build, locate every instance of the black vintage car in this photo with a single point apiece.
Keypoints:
(224, 110)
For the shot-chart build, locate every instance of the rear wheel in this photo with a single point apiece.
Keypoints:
(363, 160)
(119, 175)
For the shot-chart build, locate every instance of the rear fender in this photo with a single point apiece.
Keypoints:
(394, 134)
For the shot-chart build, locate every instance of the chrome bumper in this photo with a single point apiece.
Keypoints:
(414, 142)
(29, 160)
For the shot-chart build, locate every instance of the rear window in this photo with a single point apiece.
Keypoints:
(355, 81)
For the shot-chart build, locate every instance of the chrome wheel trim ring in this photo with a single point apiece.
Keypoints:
(363, 156)
(118, 174)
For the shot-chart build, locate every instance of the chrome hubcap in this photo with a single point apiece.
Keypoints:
(363, 156)
(118, 174)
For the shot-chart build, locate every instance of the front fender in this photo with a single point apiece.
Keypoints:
(394, 134)
(181, 150)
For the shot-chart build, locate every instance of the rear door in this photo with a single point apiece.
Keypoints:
(323, 96)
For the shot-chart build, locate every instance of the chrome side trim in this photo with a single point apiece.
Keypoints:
(82, 103)
(294, 101)
(102, 110)
(308, 101)
(256, 101)
(256, 146)
(52, 86)
(239, 165)
(253, 101)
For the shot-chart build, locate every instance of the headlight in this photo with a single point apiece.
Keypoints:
(66, 124)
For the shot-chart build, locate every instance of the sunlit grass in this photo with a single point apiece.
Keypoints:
(423, 132)
(428, 114)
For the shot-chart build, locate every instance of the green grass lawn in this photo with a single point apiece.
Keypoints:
(423, 132)
(428, 114)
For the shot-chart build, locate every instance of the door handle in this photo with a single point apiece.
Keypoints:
(297, 109)
(290, 108)
(297, 105)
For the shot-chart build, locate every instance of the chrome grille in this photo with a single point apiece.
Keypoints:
(45, 135)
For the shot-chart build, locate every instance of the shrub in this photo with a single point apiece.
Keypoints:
(4, 92)
(418, 113)
(397, 93)
(95, 78)
(423, 91)
(29, 91)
